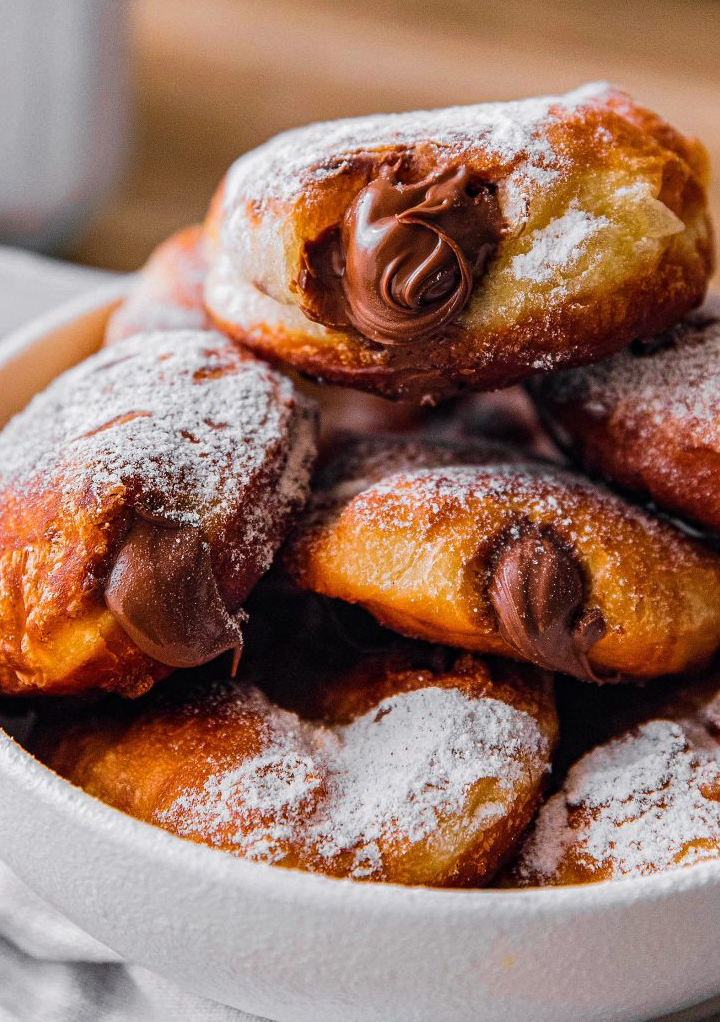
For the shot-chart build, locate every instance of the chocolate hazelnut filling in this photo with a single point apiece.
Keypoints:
(163, 594)
(405, 258)
(537, 593)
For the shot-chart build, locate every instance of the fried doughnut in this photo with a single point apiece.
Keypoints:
(414, 768)
(142, 495)
(647, 801)
(649, 418)
(417, 254)
(168, 292)
(452, 545)
(168, 295)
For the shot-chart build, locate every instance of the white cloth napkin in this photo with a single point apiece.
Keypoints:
(50, 971)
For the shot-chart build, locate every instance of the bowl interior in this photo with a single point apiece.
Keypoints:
(29, 360)
(297, 946)
(33, 356)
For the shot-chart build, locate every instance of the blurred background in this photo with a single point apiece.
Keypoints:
(159, 96)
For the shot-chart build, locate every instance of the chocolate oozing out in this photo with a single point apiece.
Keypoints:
(405, 258)
(537, 593)
(163, 594)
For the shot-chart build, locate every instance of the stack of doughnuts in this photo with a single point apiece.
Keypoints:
(311, 595)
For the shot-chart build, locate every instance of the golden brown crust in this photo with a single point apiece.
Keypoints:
(644, 802)
(220, 764)
(56, 636)
(572, 335)
(607, 240)
(177, 439)
(168, 295)
(648, 419)
(418, 541)
(168, 292)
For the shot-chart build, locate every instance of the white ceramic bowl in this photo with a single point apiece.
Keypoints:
(301, 948)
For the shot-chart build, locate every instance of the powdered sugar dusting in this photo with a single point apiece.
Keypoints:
(182, 423)
(392, 774)
(262, 801)
(541, 491)
(646, 802)
(558, 248)
(367, 459)
(413, 760)
(676, 387)
(443, 526)
(142, 314)
(512, 132)
(168, 292)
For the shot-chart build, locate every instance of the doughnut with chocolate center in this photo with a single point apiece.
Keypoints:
(417, 254)
(413, 767)
(142, 496)
(168, 295)
(649, 418)
(474, 548)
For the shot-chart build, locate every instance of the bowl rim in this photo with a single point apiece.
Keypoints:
(93, 300)
(209, 864)
(37, 780)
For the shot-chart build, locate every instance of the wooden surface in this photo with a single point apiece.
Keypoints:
(216, 77)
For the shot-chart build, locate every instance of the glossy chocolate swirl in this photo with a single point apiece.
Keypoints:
(163, 593)
(406, 257)
(537, 593)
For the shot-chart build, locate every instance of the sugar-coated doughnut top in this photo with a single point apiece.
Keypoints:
(397, 770)
(674, 378)
(511, 131)
(183, 420)
(645, 802)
